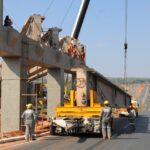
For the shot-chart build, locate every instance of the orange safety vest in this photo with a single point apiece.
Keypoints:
(75, 52)
(70, 50)
(82, 56)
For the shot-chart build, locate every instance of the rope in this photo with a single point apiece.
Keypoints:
(67, 12)
(125, 69)
(125, 45)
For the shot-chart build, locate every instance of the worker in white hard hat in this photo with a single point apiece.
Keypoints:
(29, 117)
(106, 120)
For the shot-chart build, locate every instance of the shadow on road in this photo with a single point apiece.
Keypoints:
(141, 126)
(84, 137)
(118, 138)
(95, 145)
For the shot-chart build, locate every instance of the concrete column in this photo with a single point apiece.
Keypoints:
(55, 90)
(11, 100)
(81, 85)
(1, 14)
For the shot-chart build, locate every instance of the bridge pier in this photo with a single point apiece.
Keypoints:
(55, 89)
(13, 85)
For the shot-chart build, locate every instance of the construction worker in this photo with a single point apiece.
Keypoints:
(82, 56)
(106, 120)
(8, 22)
(74, 51)
(29, 117)
(69, 50)
(132, 115)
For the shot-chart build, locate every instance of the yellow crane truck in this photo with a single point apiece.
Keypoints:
(72, 119)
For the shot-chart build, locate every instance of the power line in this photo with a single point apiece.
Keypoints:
(12, 19)
(67, 12)
(49, 6)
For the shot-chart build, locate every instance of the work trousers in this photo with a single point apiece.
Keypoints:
(106, 129)
(29, 133)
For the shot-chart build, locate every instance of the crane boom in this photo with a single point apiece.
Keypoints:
(79, 19)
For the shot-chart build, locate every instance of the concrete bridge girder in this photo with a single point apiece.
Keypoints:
(19, 51)
(12, 43)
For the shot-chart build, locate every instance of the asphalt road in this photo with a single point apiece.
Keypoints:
(125, 139)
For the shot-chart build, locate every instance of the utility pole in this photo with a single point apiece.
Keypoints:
(1, 14)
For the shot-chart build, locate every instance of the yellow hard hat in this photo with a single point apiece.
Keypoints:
(41, 102)
(29, 106)
(106, 102)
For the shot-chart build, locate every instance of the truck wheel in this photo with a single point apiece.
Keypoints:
(137, 114)
(62, 131)
(52, 130)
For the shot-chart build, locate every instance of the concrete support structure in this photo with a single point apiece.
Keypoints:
(18, 53)
(12, 86)
(1, 14)
(38, 53)
(33, 26)
(88, 78)
(55, 89)
(81, 84)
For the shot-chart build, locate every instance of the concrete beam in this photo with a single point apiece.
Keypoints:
(11, 43)
(55, 90)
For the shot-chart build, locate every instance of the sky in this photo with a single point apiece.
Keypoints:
(103, 30)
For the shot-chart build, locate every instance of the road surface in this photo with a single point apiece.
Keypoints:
(125, 139)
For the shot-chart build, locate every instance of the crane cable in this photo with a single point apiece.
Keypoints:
(49, 6)
(6, 11)
(125, 45)
(67, 12)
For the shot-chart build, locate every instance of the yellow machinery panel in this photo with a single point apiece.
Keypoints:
(78, 111)
(69, 108)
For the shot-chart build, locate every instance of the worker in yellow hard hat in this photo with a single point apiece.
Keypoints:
(29, 106)
(106, 102)
(29, 118)
(106, 120)
(132, 115)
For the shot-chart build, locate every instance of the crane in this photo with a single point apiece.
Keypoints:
(125, 46)
(80, 18)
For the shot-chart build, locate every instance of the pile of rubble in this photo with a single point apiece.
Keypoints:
(42, 126)
(12, 134)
